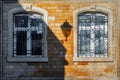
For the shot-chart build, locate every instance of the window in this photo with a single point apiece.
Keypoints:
(92, 34)
(27, 34)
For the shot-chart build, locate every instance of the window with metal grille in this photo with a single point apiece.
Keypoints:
(28, 35)
(92, 35)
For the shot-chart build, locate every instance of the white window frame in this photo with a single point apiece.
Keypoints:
(44, 57)
(110, 25)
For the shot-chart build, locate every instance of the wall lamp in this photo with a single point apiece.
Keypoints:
(66, 29)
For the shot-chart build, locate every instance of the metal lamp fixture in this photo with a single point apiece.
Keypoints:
(66, 29)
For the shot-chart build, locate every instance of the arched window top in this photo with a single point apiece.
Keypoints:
(29, 9)
(88, 14)
(28, 13)
(93, 8)
(92, 17)
(92, 34)
(27, 34)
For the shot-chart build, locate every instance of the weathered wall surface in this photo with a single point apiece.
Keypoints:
(0, 34)
(60, 52)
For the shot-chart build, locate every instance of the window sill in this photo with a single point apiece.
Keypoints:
(79, 59)
(38, 59)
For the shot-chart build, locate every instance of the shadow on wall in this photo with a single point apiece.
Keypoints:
(54, 68)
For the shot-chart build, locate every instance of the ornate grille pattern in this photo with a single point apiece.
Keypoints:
(92, 35)
(28, 35)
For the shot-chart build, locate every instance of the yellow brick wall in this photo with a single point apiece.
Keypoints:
(61, 11)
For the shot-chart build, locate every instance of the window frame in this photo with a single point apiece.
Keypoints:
(11, 13)
(110, 25)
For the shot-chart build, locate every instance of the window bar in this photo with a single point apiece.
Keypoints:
(42, 44)
(103, 41)
(102, 37)
(84, 42)
(79, 36)
(14, 43)
(78, 41)
(106, 38)
(89, 34)
(81, 39)
(95, 32)
(85, 37)
(14, 39)
(89, 41)
(92, 35)
(99, 50)
(28, 39)
(41, 30)
(97, 36)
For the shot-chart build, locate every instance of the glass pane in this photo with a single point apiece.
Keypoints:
(99, 42)
(21, 43)
(85, 20)
(100, 20)
(21, 21)
(36, 43)
(84, 41)
(35, 22)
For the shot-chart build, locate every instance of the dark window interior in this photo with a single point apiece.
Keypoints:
(36, 43)
(21, 43)
(21, 21)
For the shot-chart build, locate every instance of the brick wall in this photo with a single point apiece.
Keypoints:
(60, 51)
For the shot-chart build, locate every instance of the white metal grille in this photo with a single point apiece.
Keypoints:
(92, 35)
